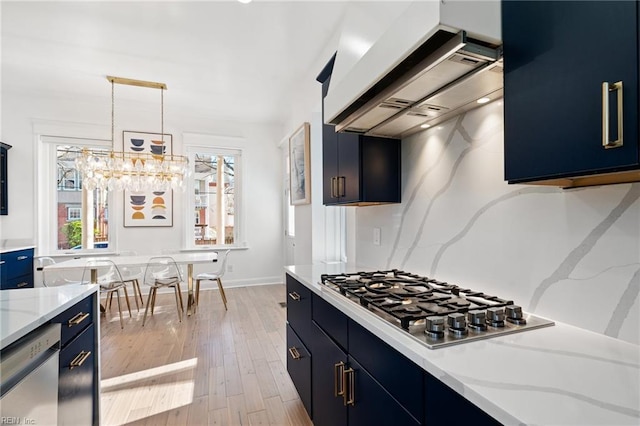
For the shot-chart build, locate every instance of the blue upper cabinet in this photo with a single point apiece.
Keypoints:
(557, 55)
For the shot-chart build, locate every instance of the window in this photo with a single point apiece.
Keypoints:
(74, 213)
(79, 216)
(214, 196)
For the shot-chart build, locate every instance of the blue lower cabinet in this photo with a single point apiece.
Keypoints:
(16, 269)
(77, 380)
(327, 369)
(371, 404)
(299, 367)
(78, 402)
(442, 404)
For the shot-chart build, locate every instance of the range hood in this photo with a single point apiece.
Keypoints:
(444, 77)
(426, 64)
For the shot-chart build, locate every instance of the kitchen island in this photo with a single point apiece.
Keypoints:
(553, 375)
(24, 311)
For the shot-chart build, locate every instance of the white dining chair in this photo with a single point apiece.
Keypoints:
(131, 275)
(109, 278)
(162, 271)
(221, 261)
(56, 278)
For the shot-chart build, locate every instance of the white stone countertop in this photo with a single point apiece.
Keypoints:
(15, 245)
(24, 310)
(559, 375)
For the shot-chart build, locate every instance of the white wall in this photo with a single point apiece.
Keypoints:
(260, 263)
(569, 255)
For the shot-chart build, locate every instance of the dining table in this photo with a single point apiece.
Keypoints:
(141, 260)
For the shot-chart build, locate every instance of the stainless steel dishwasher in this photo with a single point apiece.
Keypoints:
(29, 378)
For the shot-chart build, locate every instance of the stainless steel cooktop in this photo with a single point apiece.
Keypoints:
(436, 313)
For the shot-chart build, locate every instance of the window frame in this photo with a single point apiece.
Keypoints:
(219, 146)
(47, 189)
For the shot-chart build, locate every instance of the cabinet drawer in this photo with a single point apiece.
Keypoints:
(299, 367)
(77, 380)
(75, 319)
(16, 263)
(400, 376)
(25, 281)
(331, 320)
(299, 308)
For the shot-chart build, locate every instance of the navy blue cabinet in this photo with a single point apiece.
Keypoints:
(557, 55)
(78, 402)
(16, 269)
(4, 199)
(357, 169)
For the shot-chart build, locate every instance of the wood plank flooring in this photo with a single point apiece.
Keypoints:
(216, 367)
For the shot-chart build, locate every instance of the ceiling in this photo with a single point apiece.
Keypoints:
(220, 59)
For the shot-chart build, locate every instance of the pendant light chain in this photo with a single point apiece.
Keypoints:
(113, 115)
(162, 114)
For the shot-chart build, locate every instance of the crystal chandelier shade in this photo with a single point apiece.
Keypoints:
(133, 171)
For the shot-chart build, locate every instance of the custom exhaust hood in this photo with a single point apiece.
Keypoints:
(445, 75)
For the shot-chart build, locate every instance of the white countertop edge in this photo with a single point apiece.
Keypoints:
(542, 341)
(10, 300)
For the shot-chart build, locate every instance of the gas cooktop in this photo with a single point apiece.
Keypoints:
(436, 313)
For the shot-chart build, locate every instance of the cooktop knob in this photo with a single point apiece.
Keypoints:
(477, 319)
(457, 323)
(514, 314)
(495, 316)
(435, 325)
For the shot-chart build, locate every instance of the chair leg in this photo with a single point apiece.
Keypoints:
(135, 292)
(119, 308)
(146, 309)
(136, 286)
(197, 292)
(153, 299)
(224, 296)
(178, 302)
(180, 294)
(109, 300)
(126, 298)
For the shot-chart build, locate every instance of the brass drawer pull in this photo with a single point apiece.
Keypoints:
(81, 316)
(606, 88)
(294, 295)
(23, 284)
(294, 353)
(22, 257)
(349, 377)
(338, 385)
(2, 262)
(79, 359)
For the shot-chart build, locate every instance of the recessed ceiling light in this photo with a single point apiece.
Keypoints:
(483, 100)
(244, 1)
(425, 126)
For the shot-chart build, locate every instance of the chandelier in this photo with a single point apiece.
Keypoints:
(134, 171)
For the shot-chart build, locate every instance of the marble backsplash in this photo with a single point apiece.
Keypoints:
(568, 255)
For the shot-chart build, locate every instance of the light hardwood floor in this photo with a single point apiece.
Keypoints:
(217, 367)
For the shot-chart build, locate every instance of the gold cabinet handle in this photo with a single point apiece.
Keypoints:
(341, 185)
(294, 295)
(22, 257)
(23, 284)
(79, 359)
(606, 88)
(294, 353)
(349, 377)
(338, 385)
(334, 187)
(81, 316)
(2, 262)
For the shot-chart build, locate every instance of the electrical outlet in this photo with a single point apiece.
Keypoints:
(229, 268)
(376, 236)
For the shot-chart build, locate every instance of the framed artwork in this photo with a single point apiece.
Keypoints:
(300, 166)
(148, 208)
